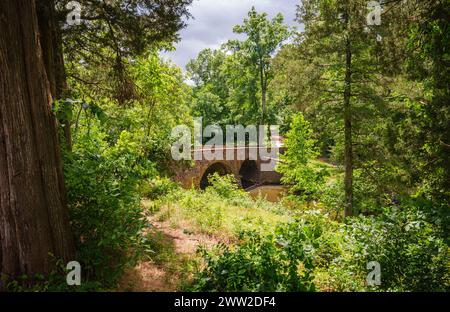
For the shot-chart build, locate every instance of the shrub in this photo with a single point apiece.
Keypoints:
(157, 187)
(305, 179)
(275, 262)
(410, 250)
(224, 186)
(412, 255)
(102, 183)
(319, 252)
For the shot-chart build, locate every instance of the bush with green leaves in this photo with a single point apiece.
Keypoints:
(102, 181)
(305, 179)
(318, 252)
(158, 187)
(276, 262)
(410, 249)
(225, 186)
(366, 200)
(412, 255)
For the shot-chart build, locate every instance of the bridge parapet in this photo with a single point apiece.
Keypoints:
(249, 165)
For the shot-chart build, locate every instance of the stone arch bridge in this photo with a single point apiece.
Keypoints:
(246, 164)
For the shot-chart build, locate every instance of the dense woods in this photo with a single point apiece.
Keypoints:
(86, 172)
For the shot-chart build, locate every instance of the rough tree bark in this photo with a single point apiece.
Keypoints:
(33, 214)
(52, 51)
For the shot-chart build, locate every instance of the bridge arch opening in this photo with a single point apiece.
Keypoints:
(249, 173)
(217, 167)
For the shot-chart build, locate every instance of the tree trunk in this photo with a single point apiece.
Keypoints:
(263, 105)
(34, 223)
(263, 94)
(52, 48)
(348, 182)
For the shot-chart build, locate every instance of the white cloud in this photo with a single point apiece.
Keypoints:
(214, 20)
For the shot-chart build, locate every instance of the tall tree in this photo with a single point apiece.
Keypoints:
(348, 142)
(338, 50)
(264, 37)
(211, 90)
(429, 63)
(226, 88)
(34, 222)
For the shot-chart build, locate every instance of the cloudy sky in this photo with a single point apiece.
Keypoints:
(213, 22)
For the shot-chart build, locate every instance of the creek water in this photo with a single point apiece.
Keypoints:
(272, 193)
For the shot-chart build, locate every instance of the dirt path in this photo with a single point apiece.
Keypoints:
(168, 270)
(184, 241)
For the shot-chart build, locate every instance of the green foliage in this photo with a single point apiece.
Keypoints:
(264, 37)
(427, 61)
(368, 198)
(221, 210)
(150, 118)
(102, 187)
(400, 138)
(298, 171)
(278, 262)
(117, 153)
(113, 33)
(224, 186)
(54, 282)
(158, 187)
(412, 255)
(317, 252)
(231, 83)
